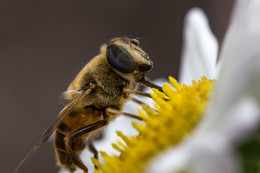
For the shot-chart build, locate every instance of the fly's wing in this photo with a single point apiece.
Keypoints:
(47, 133)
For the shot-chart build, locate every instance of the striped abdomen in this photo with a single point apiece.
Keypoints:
(73, 122)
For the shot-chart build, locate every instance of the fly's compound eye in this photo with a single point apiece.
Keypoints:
(120, 59)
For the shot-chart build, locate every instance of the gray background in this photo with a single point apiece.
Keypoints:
(43, 45)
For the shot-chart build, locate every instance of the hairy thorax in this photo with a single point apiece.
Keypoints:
(108, 91)
(109, 85)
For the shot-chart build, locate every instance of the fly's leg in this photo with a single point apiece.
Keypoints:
(93, 149)
(142, 103)
(117, 112)
(140, 93)
(74, 157)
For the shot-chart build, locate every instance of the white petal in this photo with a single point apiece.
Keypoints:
(63, 171)
(237, 123)
(199, 54)
(200, 154)
(240, 74)
(213, 154)
(170, 160)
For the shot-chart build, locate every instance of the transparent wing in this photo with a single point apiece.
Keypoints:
(47, 133)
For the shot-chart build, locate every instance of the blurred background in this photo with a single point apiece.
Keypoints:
(44, 44)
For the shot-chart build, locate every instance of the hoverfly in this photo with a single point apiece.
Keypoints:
(97, 96)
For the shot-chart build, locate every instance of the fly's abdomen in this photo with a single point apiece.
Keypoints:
(72, 123)
(77, 145)
(63, 157)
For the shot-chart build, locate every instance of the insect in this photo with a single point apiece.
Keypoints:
(97, 96)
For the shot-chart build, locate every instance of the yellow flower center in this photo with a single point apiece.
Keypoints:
(177, 113)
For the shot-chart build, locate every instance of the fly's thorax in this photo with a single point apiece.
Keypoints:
(88, 71)
(109, 89)
(87, 75)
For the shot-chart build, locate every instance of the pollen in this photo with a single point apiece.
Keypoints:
(178, 109)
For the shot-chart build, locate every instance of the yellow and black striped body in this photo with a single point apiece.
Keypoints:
(74, 121)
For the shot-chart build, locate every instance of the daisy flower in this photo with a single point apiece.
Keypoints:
(206, 122)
